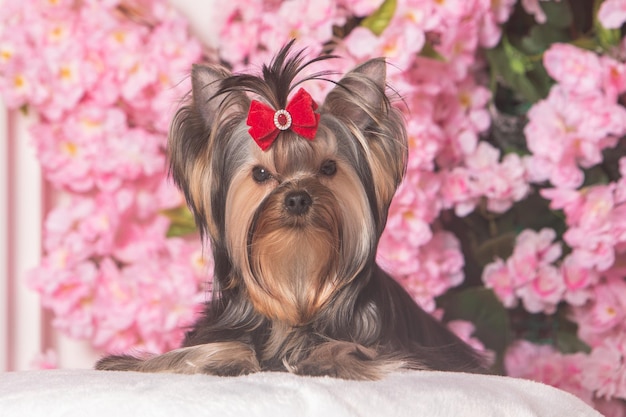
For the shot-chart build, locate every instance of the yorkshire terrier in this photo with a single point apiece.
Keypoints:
(294, 199)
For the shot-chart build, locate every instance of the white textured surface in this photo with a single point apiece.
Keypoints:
(91, 393)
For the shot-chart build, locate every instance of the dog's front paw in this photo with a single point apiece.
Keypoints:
(225, 359)
(119, 363)
(346, 360)
(220, 358)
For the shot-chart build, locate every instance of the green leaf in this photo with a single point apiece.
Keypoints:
(568, 342)
(182, 222)
(558, 14)
(518, 61)
(607, 38)
(509, 66)
(428, 51)
(541, 37)
(378, 21)
(500, 246)
(585, 42)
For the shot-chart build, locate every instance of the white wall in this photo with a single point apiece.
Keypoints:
(21, 211)
(4, 223)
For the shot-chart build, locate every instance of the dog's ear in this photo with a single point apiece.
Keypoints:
(360, 94)
(206, 82)
(360, 101)
(192, 139)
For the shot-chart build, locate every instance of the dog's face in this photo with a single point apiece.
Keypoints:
(296, 222)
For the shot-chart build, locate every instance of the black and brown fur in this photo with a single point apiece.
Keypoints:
(296, 285)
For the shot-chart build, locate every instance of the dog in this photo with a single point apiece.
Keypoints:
(293, 199)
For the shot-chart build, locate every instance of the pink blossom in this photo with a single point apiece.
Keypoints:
(136, 307)
(496, 276)
(573, 68)
(425, 139)
(68, 291)
(239, 34)
(399, 43)
(596, 225)
(502, 183)
(571, 201)
(360, 7)
(605, 314)
(428, 271)
(577, 279)
(543, 364)
(458, 191)
(498, 13)
(559, 137)
(416, 199)
(613, 77)
(544, 292)
(310, 24)
(612, 14)
(529, 274)
(604, 373)
(533, 249)
(533, 7)
(465, 330)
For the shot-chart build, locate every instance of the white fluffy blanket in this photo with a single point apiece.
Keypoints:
(84, 393)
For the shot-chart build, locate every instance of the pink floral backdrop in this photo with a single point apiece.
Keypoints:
(510, 225)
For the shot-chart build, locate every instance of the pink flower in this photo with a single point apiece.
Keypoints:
(496, 275)
(571, 201)
(425, 272)
(533, 7)
(612, 14)
(596, 225)
(458, 191)
(560, 138)
(399, 43)
(613, 77)
(604, 373)
(311, 24)
(542, 363)
(529, 274)
(425, 140)
(605, 314)
(532, 250)
(502, 183)
(544, 292)
(577, 279)
(498, 13)
(575, 69)
(465, 330)
(360, 7)
(136, 307)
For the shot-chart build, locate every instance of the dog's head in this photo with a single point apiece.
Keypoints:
(293, 220)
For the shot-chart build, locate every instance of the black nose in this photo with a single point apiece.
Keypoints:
(298, 202)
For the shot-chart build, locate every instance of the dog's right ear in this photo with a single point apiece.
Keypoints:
(192, 139)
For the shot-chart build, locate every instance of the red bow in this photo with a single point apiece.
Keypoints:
(299, 116)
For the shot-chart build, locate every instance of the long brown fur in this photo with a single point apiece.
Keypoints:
(298, 292)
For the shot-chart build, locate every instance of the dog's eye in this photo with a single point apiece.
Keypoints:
(260, 174)
(328, 168)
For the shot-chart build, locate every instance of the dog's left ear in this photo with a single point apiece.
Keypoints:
(359, 100)
(194, 148)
